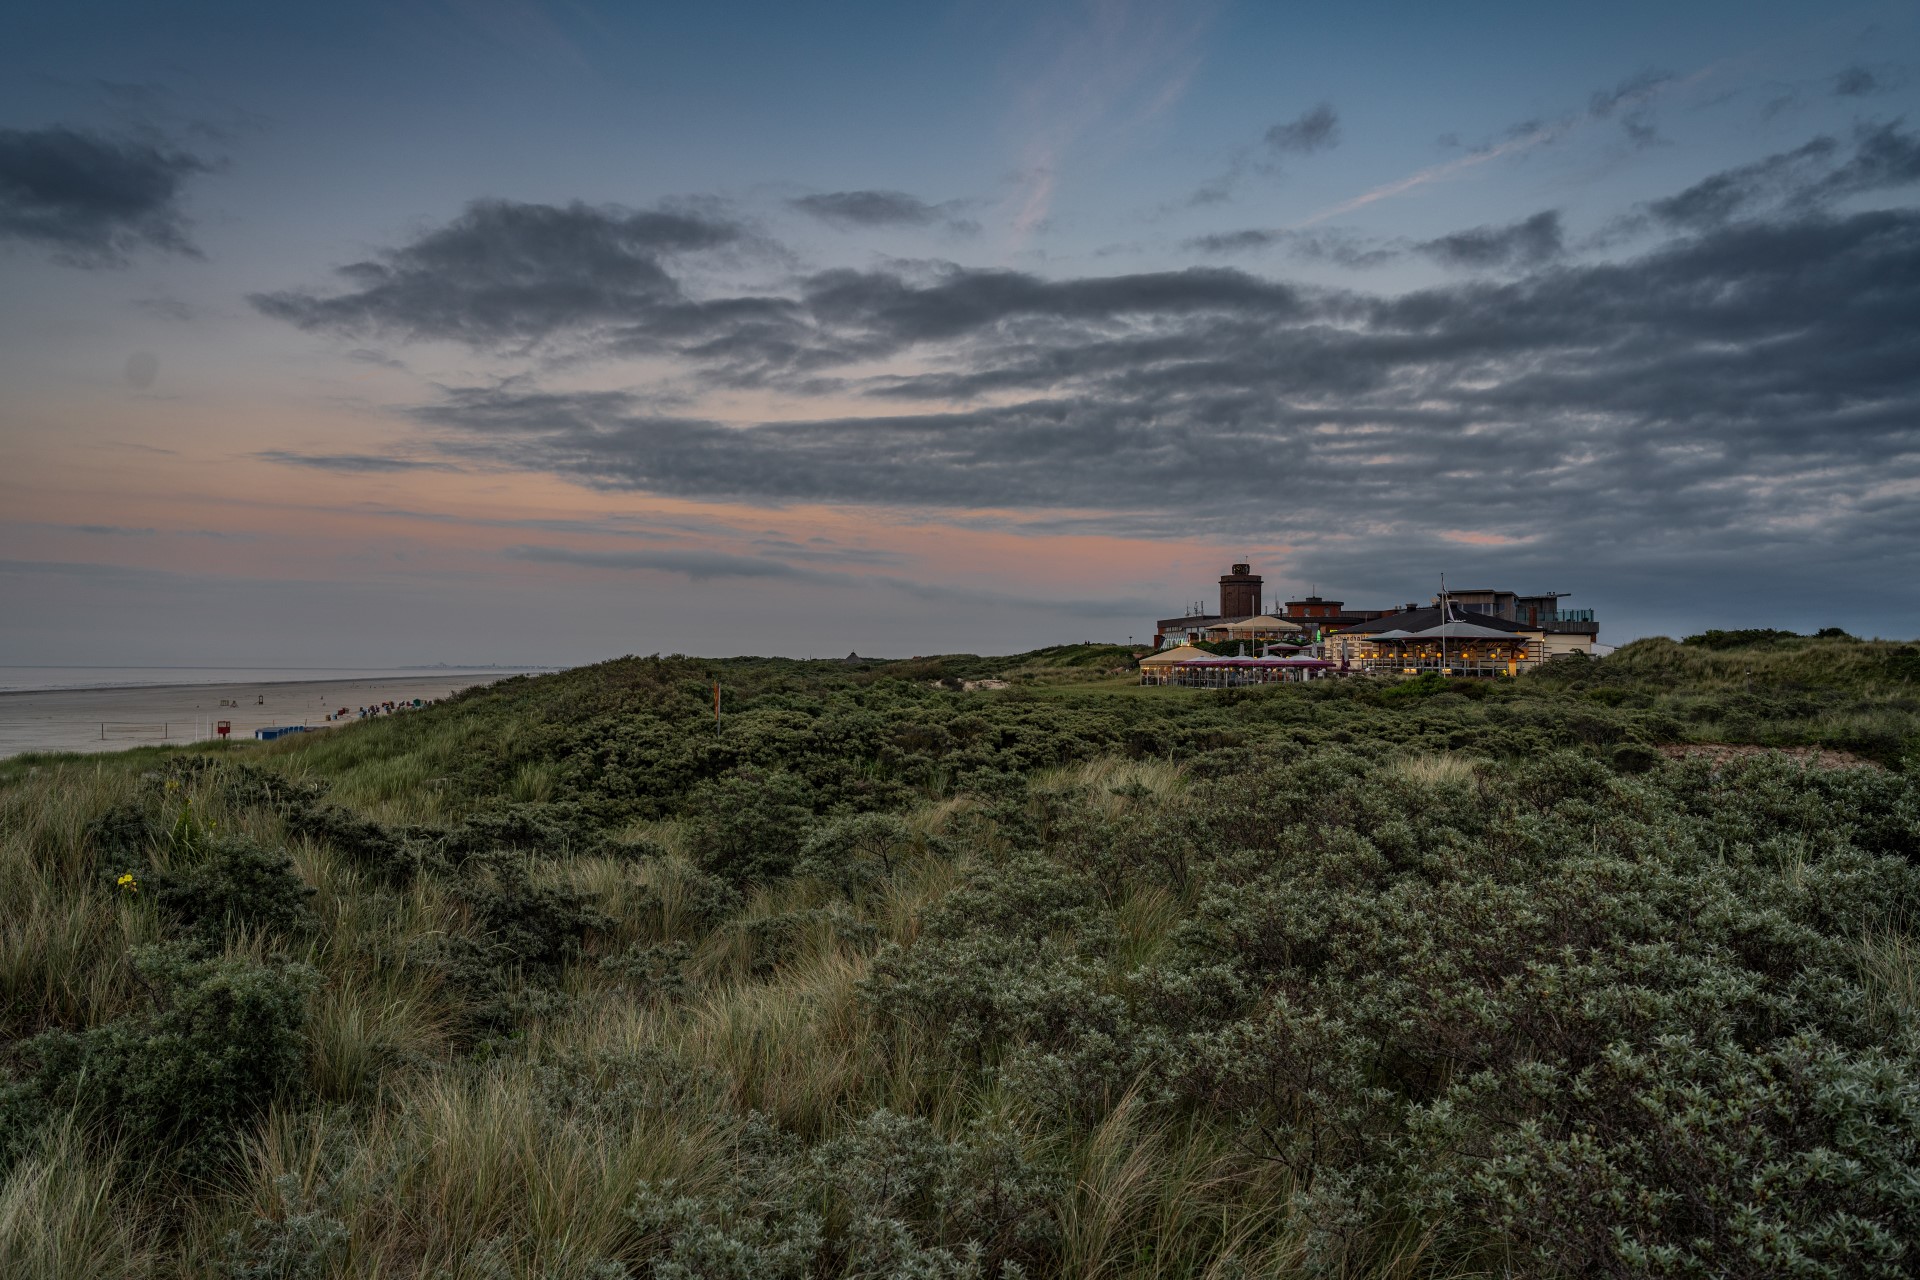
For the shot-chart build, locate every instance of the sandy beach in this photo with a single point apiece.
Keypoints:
(117, 718)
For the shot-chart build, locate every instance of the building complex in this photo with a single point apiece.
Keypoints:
(1475, 632)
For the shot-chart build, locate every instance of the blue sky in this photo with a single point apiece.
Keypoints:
(885, 321)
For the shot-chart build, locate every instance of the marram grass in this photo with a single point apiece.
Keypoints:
(552, 980)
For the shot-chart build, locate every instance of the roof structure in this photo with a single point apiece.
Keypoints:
(1465, 631)
(1166, 657)
(1423, 623)
(1209, 660)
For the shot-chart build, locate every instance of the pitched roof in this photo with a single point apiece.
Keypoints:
(1415, 621)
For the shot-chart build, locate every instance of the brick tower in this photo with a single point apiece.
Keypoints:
(1240, 593)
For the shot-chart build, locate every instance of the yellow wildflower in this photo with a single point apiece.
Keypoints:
(127, 882)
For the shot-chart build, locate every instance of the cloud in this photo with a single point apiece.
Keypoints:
(1747, 387)
(1342, 248)
(94, 200)
(1250, 240)
(1748, 391)
(1855, 82)
(857, 210)
(350, 463)
(504, 274)
(1315, 130)
(1885, 157)
(1715, 199)
(1631, 101)
(1234, 408)
(697, 565)
(700, 566)
(1527, 243)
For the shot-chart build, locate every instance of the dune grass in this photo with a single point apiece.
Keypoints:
(1151, 983)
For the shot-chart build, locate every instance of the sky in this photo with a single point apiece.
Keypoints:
(483, 331)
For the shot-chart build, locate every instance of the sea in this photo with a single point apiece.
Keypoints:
(23, 678)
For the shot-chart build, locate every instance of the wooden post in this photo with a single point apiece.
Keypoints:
(716, 706)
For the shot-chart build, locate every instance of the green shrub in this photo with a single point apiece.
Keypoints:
(507, 968)
(304, 1243)
(1739, 639)
(223, 1039)
(853, 851)
(1635, 757)
(1463, 980)
(1682, 1159)
(527, 925)
(653, 975)
(385, 854)
(887, 1197)
(235, 883)
(121, 837)
(748, 827)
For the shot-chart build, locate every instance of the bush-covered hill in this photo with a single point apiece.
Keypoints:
(882, 976)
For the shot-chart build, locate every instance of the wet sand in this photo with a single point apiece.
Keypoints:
(145, 715)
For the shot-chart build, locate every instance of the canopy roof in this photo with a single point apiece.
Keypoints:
(1209, 660)
(1448, 631)
(1178, 653)
(1465, 631)
(1422, 622)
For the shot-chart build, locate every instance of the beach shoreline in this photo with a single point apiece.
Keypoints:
(117, 717)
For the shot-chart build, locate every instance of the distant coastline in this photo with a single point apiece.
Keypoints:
(34, 678)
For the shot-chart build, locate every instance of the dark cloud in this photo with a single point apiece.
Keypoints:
(1748, 389)
(1213, 406)
(1628, 94)
(1315, 130)
(1247, 241)
(1527, 243)
(853, 210)
(92, 199)
(1343, 249)
(349, 463)
(1751, 391)
(1855, 82)
(1713, 200)
(504, 273)
(1631, 102)
(708, 565)
(1885, 157)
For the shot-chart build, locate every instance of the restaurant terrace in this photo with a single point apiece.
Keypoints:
(1206, 671)
(1439, 640)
